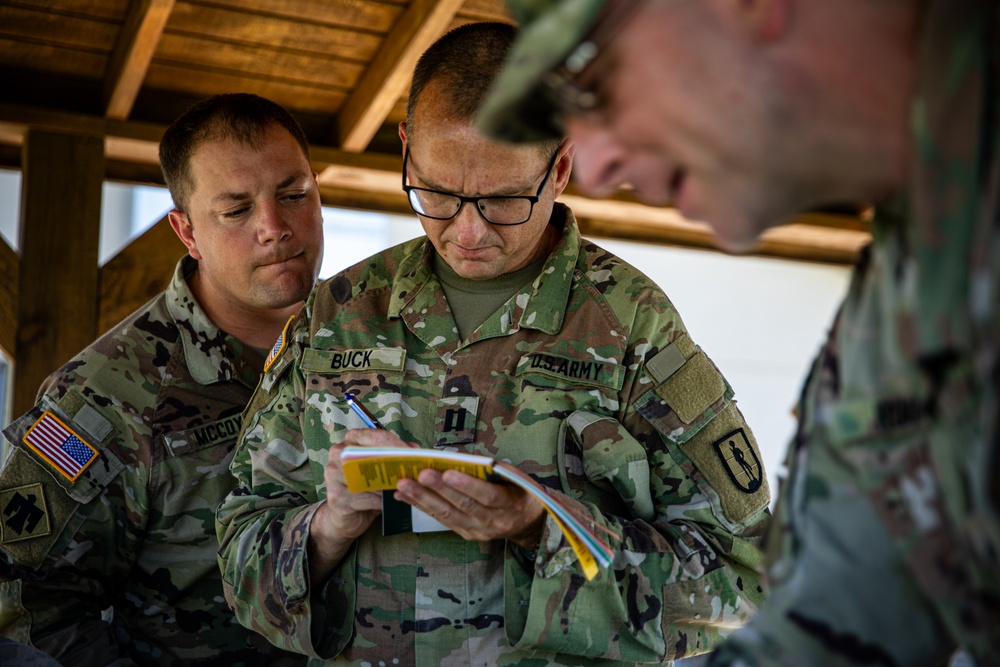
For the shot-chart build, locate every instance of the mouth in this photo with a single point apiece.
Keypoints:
(472, 252)
(275, 261)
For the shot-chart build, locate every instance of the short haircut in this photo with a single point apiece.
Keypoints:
(465, 61)
(242, 117)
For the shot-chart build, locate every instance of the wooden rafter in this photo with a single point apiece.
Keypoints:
(133, 53)
(389, 73)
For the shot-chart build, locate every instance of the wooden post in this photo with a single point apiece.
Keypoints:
(58, 270)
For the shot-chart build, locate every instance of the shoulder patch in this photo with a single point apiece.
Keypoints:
(726, 454)
(279, 346)
(36, 511)
(63, 448)
(23, 513)
(740, 460)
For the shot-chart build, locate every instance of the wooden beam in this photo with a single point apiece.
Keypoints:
(810, 237)
(389, 73)
(140, 271)
(133, 53)
(8, 300)
(60, 227)
(371, 181)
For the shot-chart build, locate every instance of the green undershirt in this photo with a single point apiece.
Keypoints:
(473, 301)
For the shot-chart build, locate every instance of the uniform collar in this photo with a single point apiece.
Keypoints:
(210, 354)
(541, 305)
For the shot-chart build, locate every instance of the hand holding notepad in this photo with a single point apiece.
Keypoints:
(380, 468)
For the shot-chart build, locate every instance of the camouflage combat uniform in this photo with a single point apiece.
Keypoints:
(586, 379)
(887, 532)
(152, 410)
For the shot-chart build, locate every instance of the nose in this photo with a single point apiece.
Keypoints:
(599, 164)
(469, 226)
(271, 224)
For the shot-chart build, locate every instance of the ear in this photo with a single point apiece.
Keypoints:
(402, 134)
(767, 20)
(182, 227)
(564, 167)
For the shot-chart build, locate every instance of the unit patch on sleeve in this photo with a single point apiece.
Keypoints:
(740, 460)
(23, 513)
(62, 447)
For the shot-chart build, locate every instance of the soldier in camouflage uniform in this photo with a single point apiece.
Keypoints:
(522, 342)
(886, 546)
(109, 494)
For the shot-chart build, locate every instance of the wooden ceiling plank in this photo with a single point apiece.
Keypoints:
(51, 59)
(133, 53)
(486, 10)
(33, 24)
(104, 9)
(389, 73)
(205, 83)
(241, 27)
(358, 15)
(257, 61)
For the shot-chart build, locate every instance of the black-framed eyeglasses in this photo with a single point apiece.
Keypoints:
(565, 86)
(497, 210)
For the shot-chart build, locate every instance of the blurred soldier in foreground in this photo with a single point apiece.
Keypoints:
(503, 333)
(886, 547)
(109, 495)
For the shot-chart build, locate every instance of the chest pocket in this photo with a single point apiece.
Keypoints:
(557, 385)
(373, 375)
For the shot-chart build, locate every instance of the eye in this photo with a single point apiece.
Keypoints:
(235, 213)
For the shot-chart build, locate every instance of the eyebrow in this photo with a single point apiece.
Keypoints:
(506, 192)
(241, 196)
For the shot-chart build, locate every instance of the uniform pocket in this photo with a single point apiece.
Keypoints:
(372, 375)
(601, 463)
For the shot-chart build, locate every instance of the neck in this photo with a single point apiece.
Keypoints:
(251, 326)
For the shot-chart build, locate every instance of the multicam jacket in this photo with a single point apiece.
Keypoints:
(109, 493)
(587, 380)
(887, 536)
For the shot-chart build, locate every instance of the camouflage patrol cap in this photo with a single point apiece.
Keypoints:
(517, 109)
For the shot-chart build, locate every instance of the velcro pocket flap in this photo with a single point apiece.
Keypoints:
(687, 400)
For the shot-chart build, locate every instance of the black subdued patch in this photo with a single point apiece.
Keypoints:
(740, 460)
(23, 513)
(340, 289)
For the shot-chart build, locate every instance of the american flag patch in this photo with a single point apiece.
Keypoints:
(279, 346)
(59, 445)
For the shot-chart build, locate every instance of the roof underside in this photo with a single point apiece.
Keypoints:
(124, 70)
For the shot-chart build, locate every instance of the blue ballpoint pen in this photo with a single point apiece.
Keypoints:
(360, 411)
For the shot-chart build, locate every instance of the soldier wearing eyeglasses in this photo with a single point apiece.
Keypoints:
(502, 333)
